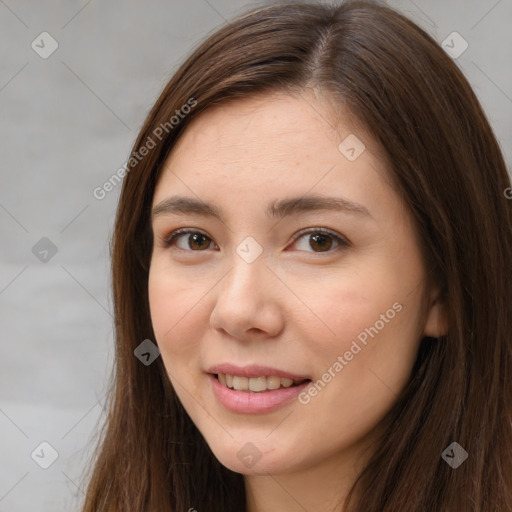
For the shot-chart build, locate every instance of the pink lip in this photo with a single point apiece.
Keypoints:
(246, 402)
(253, 370)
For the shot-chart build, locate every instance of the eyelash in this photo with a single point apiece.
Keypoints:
(343, 243)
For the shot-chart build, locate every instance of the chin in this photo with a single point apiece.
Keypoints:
(245, 458)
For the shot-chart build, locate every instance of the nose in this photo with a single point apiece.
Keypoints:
(247, 304)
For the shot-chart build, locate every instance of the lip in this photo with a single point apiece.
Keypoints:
(245, 402)
(253, 370)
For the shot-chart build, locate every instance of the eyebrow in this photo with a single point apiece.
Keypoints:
(277, 209)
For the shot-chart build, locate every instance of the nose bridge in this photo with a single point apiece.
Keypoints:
(245, 278)
(248, 265)
(244, 299)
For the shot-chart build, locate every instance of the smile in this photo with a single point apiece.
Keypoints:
(256, 384)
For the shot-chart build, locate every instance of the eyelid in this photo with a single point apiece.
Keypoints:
(342, 241)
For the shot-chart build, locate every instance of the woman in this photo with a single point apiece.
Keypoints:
(313, 230)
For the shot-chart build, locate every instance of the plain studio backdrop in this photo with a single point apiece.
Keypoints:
(77, 79)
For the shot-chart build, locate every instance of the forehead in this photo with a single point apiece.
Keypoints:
(282, 121)
(272, 145)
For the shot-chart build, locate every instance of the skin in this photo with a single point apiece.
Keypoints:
(295, 307)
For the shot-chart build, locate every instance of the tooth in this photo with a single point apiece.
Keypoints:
(258, 383)
(273, 382)
(229, 380)
(222, 378)
(240, 383)
(286, 382)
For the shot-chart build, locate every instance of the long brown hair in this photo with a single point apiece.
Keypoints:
(447, 166)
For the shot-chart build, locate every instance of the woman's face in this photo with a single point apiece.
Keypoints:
(300, 263)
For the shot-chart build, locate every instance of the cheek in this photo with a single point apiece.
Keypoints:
(341, 304)
(174, 305)
(370, 318)
(361, 369)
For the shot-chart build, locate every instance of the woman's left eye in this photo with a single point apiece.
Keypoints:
(320, 240)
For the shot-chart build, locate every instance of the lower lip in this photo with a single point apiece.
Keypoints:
(246, 402)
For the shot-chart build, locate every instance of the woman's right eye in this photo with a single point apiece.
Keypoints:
(195, 241)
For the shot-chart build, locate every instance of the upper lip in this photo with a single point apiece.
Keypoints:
(253, 370)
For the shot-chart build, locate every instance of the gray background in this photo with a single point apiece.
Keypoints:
(68, 123)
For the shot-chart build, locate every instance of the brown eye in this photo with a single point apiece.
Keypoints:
(320, 240)
(189, 240)
(198, 241)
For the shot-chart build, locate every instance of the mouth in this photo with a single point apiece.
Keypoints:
(261, 384)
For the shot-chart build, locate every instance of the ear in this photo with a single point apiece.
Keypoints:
(436, 323)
